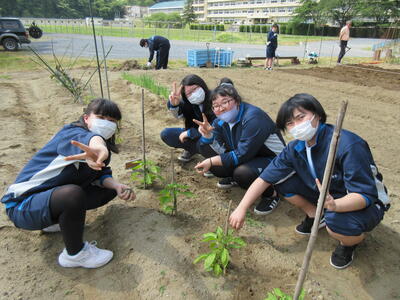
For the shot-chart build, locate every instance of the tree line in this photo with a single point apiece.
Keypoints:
(340, 11)
(70, 9)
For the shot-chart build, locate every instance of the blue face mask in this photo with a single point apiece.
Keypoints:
(229, 116)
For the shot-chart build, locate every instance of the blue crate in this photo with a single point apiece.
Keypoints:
(199, 57)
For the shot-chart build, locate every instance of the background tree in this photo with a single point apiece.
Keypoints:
(341, 11)
(188, 15)
(310, 11)
(380, 10)
(62, 8)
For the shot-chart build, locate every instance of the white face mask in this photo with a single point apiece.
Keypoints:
(197, 97)
(304, 131)
(104, 128)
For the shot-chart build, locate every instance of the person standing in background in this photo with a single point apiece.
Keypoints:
(272, 44)
(344, 37)
(159, 44)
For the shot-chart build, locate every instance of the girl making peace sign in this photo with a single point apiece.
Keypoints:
(188, 101)
(68, 176)
(241, 142)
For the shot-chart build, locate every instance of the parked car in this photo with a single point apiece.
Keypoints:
(12, 34)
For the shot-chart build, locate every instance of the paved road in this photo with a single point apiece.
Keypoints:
(125, 48)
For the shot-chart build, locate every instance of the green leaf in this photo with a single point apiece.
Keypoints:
(210, 234)
(217, 270)
(271, 297)
(208, 262)
(225, 257)
(278, 292)
(200, 257)
(208, 239)
(168, 209)
(219, 232)
(187, 194)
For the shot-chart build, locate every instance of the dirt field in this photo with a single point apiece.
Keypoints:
(153, 253)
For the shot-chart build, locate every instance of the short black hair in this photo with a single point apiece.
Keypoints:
(302, 101)
(226, 90)
(143, 42)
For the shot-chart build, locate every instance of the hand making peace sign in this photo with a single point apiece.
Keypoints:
(204, 127)
(175, 95)
(94, 156)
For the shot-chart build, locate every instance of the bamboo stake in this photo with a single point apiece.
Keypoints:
(105, 68)
(175, 211)
(143, 144)
(95, 47)
(227, 217)
(321, 199)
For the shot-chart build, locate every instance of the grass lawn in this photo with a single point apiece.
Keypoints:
(182, 34)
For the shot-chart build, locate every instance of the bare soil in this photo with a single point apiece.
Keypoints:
(154, 252)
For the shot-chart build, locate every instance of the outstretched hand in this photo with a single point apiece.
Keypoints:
(175, 95)
(205, 128)
(330, 203)
(236, 219)
(125, 192)
(94, 157)
(203, 166)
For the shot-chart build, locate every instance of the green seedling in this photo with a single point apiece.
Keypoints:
(162, 290)
(277, 294)
(148, 83)
(252, 222)
(168, 196)
(218, 258)
(146, 172)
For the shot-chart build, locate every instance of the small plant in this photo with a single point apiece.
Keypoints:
(62, 73)
(218, 258)
(277, 294)
(146, 172)
(148, 82)
(168, 196)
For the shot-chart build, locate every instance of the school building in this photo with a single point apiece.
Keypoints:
(236, 11)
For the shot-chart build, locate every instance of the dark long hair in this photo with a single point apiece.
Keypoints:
(188, 110)
(106, 108)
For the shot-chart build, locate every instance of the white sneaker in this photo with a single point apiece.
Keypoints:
(52, 228)
(89, 257)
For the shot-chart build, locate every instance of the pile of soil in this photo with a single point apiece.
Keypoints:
(153, 252)
(130, 65)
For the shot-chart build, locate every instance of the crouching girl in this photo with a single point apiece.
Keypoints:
(357, 199)
(64, 179)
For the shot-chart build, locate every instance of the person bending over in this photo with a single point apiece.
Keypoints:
(160, 45)
(67, 177)
(241, 142)
(357, 197)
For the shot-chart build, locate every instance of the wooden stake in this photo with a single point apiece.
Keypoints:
(175, 211)
(143, 143)
(95, 47)
(227, 217)
(321, 200)
(105, 68)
